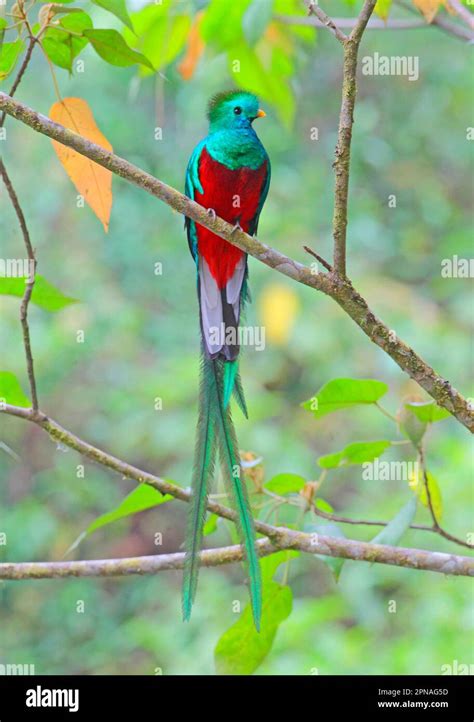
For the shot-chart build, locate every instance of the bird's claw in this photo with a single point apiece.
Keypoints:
(211, 212)
(236, 227)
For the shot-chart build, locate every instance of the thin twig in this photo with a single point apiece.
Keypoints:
(53, 74)
(26, 236)
(386, 413)
(362, 522)
(339, 289)
(29, 285)
(20, 74)
(314, 9)
(344, 137)
(442, 23)
(463, 13)
(304, 503)
(319, 258)
(436, 525)
(349, 23)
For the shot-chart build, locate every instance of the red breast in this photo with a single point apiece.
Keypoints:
(234, 195)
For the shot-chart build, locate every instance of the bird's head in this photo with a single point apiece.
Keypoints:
(233, 110)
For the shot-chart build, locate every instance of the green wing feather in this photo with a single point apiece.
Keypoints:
(204, 463)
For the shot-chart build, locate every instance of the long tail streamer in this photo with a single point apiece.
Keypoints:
(216, 431)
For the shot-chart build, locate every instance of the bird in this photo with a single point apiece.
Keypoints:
(229, 174)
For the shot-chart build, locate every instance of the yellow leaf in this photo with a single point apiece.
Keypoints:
(382, 8)
(194, 50)
(278, 308)
(416, 482)
(429, 8)
(92, 181)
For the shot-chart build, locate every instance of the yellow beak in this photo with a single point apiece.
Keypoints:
(261, 114)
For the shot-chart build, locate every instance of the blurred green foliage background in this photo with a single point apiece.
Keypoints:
(141, 342)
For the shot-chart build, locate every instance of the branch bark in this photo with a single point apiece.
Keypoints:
(20, 74)
(25, 233)
(326, 21)
(420, 559)
(29, 285)
(344, 137)
(339, 289)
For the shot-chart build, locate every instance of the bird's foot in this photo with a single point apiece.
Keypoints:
(236, 227)
(211, 212)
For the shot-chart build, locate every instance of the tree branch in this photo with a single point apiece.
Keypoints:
(278, 537)
(29, 285)
(24, 229)
(339, 289)
(344, 137)
(420, 559)
(326, 21)
(20, 74)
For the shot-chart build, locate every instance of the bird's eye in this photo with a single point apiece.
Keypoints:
(237, 110)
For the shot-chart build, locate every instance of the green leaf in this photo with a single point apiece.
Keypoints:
(112, 48)
(221, 25)
(285, 484)
(11, 391)
(294, 8)
(211, 525)
(117, 8)
(162, 34)
(269, 565)
(242, 649)
(357, 453)
(60, 46)
(44, 295)
(396, 528)
(256, 18)
(58, 52)
(345, 394)
(427, 411)
(417, 484)
(165, 39)
(382, 8)
(9, 55)
(323, 505)
(141, 498)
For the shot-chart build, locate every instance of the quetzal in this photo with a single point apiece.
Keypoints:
(229, 174)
